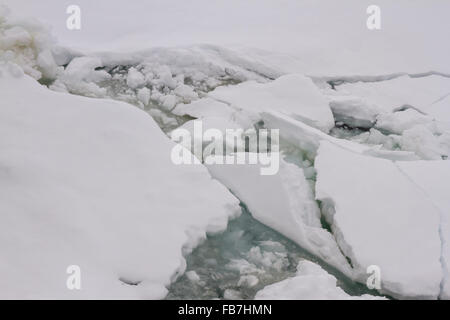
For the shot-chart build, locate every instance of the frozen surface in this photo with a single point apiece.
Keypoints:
(433, 178)
(377, 216)
(78, 188)
(294, 95)
(311, 282)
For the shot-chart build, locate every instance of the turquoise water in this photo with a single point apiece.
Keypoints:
(242, 260)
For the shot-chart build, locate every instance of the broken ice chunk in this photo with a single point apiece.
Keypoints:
(294, 95)
(379, 217)
(354, 112)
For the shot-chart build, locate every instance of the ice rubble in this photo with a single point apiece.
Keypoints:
(285, 202)
(203, 108)
(378, 217)
(308, 139)
(28, 43)
(311, 282)
(78, 187)
(295, 95)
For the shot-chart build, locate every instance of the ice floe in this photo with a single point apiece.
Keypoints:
(294, 95)
(380, 218)
(78, 187)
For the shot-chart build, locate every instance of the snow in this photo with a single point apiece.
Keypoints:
(311, 282)
(377, 216)
(294, 95)
(26, 42)
(78, 188)
(77, 176)
(433, 178)
(284, 202)
(135, 79)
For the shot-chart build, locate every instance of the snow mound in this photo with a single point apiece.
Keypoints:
(377, 216)
(89, 182)
(311, 282)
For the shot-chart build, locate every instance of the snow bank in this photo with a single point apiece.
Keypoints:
(380, 218)
(311, 282)
(294, 95)
(89, 182)
(284, 202)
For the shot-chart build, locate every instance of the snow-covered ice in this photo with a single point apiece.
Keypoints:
(78, 188)
(90, 182)
(378, 216)
(294, 95)
(433, 178)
